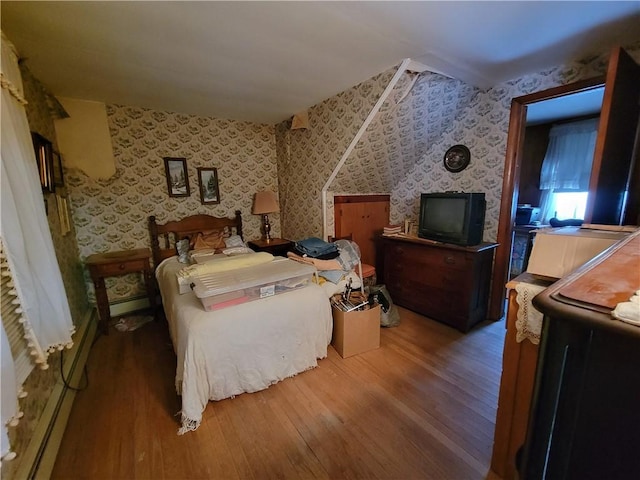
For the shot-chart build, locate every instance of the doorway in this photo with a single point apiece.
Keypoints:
(613, 196)
(558, 149)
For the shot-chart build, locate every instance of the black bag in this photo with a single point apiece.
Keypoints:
(390, 316)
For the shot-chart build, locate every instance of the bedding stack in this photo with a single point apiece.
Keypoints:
(233, 286)
(222, 280)
(216, 263)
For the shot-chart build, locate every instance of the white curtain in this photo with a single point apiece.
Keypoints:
(9, 406)
(24, 228)
(567, 162)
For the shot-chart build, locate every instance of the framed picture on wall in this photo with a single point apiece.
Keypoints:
(209, 191)
(177, 176)
(44, 158)
(58, 176)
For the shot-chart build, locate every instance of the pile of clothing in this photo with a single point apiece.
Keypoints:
(316, 248)
(336, 263)
(334, 260)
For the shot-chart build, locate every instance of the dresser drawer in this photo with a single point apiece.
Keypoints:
(439, 305)
(120, 268)
(402, 255)
(421, 279)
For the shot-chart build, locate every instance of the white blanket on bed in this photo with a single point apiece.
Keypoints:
(243, 348)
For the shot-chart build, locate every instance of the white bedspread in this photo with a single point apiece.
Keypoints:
(243, 348)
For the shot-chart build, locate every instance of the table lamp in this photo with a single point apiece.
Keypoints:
(264, 203)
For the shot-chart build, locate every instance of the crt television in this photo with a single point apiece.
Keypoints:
(452, 217)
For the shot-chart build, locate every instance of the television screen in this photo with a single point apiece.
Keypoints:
(445, 215)
(452, 217)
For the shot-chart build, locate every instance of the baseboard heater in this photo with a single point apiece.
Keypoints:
(39, 458)
(129, 305)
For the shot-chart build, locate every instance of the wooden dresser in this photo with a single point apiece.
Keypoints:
(444, 282)
(585, 420)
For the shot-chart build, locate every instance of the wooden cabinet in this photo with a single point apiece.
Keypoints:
(614, 184)
(444, 282)
(585, 421)
(363, 217)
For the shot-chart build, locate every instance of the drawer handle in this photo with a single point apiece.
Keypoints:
(122, 266)
(449, 259)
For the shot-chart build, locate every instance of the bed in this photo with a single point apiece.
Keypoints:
(241, 348)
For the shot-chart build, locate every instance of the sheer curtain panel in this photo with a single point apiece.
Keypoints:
(567, 163)
(25, 231)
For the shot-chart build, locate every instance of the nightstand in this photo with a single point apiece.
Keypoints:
(276, 246)
(111, 264)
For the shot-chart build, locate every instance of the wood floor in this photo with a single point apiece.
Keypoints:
(422, 406)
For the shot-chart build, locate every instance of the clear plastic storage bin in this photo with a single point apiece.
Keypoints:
(224, 289)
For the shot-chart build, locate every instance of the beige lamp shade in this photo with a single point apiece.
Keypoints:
(265, 202)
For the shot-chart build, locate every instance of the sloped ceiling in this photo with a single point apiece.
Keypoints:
(265, 61)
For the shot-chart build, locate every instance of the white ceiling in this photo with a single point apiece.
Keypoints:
(265, 61)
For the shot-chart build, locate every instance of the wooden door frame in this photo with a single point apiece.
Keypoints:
(616, 146)
(511, 182)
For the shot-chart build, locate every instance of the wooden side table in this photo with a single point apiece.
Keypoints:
(111, 264)
(519, 361)
(276, 246)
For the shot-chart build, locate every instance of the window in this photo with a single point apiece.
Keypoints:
(569, 204)
(566, 170)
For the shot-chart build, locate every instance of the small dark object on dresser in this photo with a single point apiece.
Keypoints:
(569, 222)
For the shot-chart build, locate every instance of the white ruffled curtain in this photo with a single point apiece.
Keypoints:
(26, 238)
(567, 162)
(9, 407)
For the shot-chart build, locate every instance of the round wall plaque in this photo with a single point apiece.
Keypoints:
(457, 158)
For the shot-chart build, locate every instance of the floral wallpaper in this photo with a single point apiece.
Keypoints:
(112, 214)
(311, 154)
(39, 115)
(401, 152)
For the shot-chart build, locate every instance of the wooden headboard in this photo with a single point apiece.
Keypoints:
(164, 237)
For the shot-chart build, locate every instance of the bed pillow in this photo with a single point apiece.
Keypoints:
(213, 239)
(234, 241)
(237, 251)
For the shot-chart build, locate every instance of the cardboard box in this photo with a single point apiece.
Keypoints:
(559, 251)
(355, 332)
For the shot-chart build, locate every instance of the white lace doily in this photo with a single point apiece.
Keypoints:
(529, 320)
